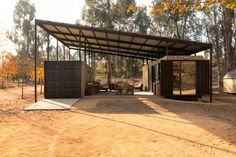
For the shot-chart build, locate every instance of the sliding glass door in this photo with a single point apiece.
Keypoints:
(184, 77)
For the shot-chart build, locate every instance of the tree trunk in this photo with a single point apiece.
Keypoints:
(41, 86)
(228, 17)
(184, 26)
(218, 50)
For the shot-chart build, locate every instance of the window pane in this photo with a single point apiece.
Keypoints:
(176, 77)
(188, 76)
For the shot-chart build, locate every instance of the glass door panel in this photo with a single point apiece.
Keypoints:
(184, 78)
(176, 77)
(188, 78)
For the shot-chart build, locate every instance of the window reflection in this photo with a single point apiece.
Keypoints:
(176, 78)
(188, 76)
(184, 77)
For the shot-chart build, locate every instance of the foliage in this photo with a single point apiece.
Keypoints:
(9, 66)
(23, 17)
(113, 14)
(184, 6)
(213, 21)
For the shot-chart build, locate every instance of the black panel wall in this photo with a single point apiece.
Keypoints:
(166, 78)
(202, 77)
(62, 79)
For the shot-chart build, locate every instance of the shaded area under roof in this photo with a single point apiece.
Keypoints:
(119, 43)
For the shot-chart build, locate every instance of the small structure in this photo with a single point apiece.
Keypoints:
(177, 76)
(66, 79)
(229, 82)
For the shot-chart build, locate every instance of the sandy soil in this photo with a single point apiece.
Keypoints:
(124, 126)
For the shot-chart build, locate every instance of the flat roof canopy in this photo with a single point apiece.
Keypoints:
(119, 43)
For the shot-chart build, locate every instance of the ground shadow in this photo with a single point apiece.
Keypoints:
(115, 106)
(214, 111)
(156, 131)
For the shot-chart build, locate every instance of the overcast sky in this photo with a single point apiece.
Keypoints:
(54, 10)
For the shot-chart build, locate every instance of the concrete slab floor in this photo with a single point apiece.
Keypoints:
(52, 104)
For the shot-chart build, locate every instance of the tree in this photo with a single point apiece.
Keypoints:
(24, 14)
(141, 21)
(111, 14)
(8, 68)
(213, 19)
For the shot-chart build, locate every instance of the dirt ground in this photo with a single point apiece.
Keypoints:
(118, 126)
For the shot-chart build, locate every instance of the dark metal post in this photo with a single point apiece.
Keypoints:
(64, 49)
(48, 47)
(35, 63)
(89, 57)
(210, 77)
(80, 45)
(57, 50)
(85, 55)
(167, 48)
(69, 54)
(94, 63)
(152, 57)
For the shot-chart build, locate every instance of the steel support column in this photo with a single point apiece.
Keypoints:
(57, 50)
(35, 62)
(80, 58)
(48, 47)
(167, 49)
(85, 54)
(90, 57)
(64, 51)
(69, 54)
(210, 73)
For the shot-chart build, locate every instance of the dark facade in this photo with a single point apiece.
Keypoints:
(181, 78)
(62, 79)
(178, 77)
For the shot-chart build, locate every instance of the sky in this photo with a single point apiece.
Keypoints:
(67, 11)
(54, 10)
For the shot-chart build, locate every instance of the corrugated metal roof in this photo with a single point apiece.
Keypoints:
(112, 42)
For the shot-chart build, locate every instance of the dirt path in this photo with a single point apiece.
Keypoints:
(142, 127)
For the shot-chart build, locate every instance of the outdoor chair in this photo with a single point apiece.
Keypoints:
(125, 87)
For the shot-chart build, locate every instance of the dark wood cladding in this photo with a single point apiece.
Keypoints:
(166, 78)
(62, 79)
(202, 78)
(202, 74)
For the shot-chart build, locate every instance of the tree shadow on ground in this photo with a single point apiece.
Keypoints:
(116, 106)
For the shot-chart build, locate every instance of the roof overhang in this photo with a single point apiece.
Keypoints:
(119, 43)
